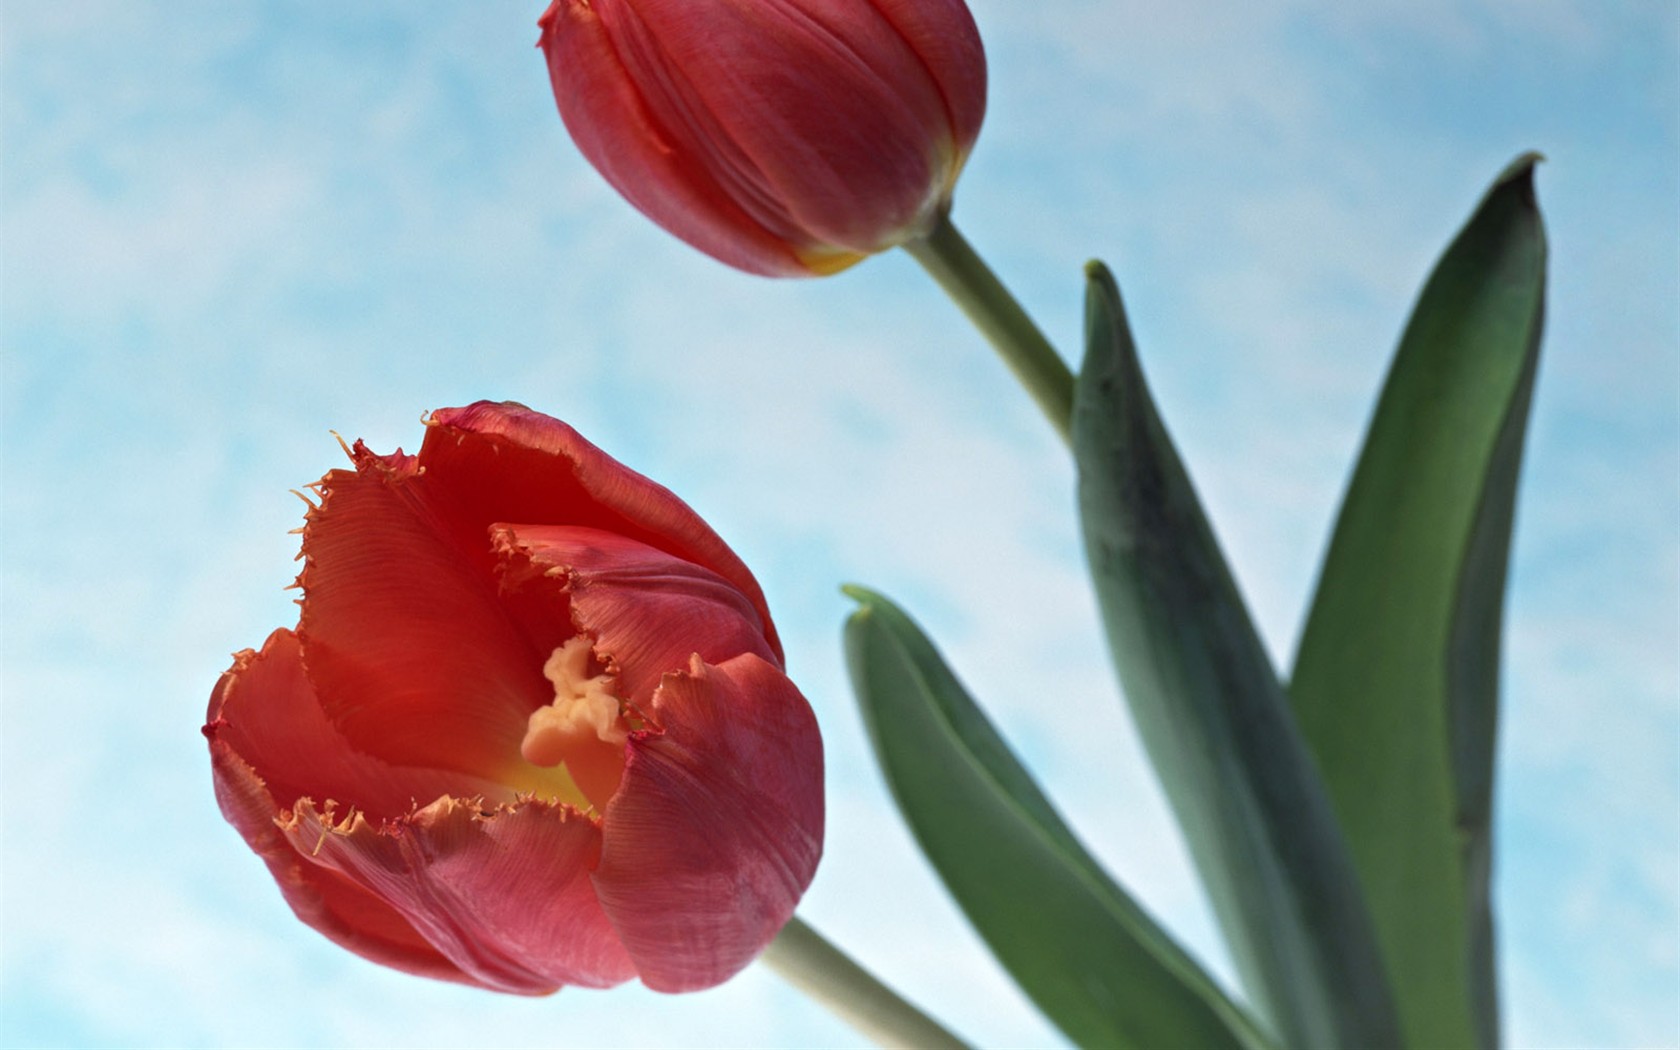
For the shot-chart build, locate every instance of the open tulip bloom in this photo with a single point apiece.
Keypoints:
(533, 727)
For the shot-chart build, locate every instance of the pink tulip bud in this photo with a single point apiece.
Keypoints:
(532, 728)
(783, 137)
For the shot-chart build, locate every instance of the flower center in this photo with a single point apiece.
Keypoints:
(584, 710)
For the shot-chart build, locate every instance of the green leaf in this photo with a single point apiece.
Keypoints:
(1098, 966)
(1213, 716)
(1397, 679)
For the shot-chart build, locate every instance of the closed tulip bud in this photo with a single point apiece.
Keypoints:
(532, 727)
(785, 138)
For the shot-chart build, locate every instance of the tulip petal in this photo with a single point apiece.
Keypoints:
(944, 36)
(266, 712)
(646, 610)
(324, 900)
(817, 118)
(717, 827)
(503, 893)
(614, 129)
(506, 463)
(411, 654)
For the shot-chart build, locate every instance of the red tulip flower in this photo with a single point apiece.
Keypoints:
(532, 728)
(784, 138)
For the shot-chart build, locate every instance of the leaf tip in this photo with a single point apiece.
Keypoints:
(1519, 176)
(1522, 166)
(859, 593)
(1100, 283)
(1109, 351)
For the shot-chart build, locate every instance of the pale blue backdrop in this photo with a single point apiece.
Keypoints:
(228, 228)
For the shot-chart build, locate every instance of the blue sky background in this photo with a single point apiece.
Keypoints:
(227, 228)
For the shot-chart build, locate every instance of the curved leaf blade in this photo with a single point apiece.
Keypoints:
(1086, 953)
(1213, 715)
(1396, 680)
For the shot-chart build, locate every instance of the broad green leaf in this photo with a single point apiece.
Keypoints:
(1214, 717)
(1092, 959)
(1397, 679)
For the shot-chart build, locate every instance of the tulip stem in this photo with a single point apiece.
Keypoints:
(805, 959)
(972, 285)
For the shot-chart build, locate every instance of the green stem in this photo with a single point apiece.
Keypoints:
(972, 285)
(805, 959)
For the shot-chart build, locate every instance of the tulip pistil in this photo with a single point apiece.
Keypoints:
(584, 708)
